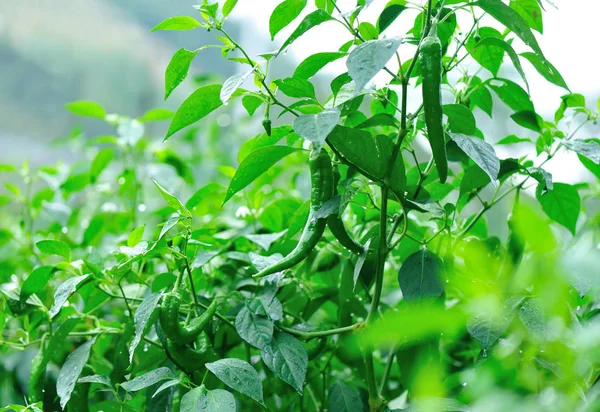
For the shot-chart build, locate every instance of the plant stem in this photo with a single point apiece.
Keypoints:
(386, 373)
(310, 335)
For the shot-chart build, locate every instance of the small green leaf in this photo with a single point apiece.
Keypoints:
(232, 84)
(530, 11)
(316, 128)
(54, 247)
(201, 399)
(177, 69)
(487, 54)
(147, 379)
(390, 13)
(562, 204)
(156, 115)
(343, 399)
(369, 58)
(180, 23)
(100, 162)
(172, 200)
(528, 119)
(228, 7)
(294, 87)
(36, 281)
(312, 20)
(312, 64)
(288, 359)
(460, 119)
(251, 103)
(86, 108)
(590, 149)
(285, 13)
(135, 236)
(421, 276)
(482, 153)
(199, 104)
(546, 69)
(238, 375)
(512, 94)
(512, 139)
(255, 329)
(143, 320)
(64, 291)
(70, 371)
(254, 165)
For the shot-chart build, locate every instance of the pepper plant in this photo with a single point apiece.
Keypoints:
(363, 254)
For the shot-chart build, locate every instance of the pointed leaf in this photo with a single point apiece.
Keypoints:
(70, 371)
(202, 400)
(173, 201)
(288, 359)
(421, 276)
(312, 64)
(238, 375)
(177, 23)
(232, 84)
(143, 320)
(255, 329)
(64, 291)
(590, 149)
(370, 58)
(86, 108)
(482, 153)
(199, 104)
(147, 379)
(316, 128)
(562, 204)
(285, 13)
(312, 20)
(178, 69)
(343, 399)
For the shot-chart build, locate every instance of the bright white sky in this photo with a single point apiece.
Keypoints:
(570, 42)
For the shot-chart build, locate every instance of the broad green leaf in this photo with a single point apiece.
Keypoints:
(64, 291)
(512, 20)
(546, 69)
(486, 329)
(342, 398)
(512, 139)
(390, 13)
(251, 103)
(135, 236)
(228, 7)
(262, 140)
(264, 305)
(6, 168)
(54, 247)
(172, 200)
(143, 320)
(147, 379)
(177, 69)
(156, 115)
(460, 119)
(561, 204)
(369, 58)
(481, 152)
(421, 276)
(70, 371)
(327, 5)
(590, 149)
(99, 379)
(532, 317)
(285, 13)
(316, 128)
(489, 56)
(288, 359)
(177, 23)
(312, 20)
(569, 101)
(492, 42)
(530, 11)
(294, 87)
(36, 281)
(100, 162)
(528, 119)
(239, 376)
(255, 329)
(480, 96)
(542, 176)
(368, 31)
(512, 94)
(254, 165)
(201, 399)
(199, 104)
(312, 64)
(265, 240)
(232, 84)
(86, 108)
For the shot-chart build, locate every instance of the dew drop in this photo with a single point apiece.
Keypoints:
(141, 207)
(65, 230)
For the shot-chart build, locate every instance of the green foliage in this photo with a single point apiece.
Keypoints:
(458, 281)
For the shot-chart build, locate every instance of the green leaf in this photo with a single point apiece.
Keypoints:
(232, 84)
(528, 119)
(100, 162)
(480, 96)
(569, 101)
(532, 317)
(512, 20)
(86, 108)
(546, 69)
(511, 94)
(148, 379)
(255, 329)
(312, 20)
(239, 376)
(421, 276)
(180, 23)
(263, 139)
(135, 236)
(390, 13)
(561, 204)
(36, 281)
(54, 247)
(481, 152)
(590, 149)
(369, 58)
(343, 399)
(368, 31)
(294, 87)
(495, 42)
(512, 139)
(316, 128)
(254, 165)
(172, 200)
(487, 54)
(177, 69)
(70, 371)
(64, 291)
(251, 103)
(530, 11)
(156, 115)
(312, 64)
(288, 359)
(284, 14)
(228, 7)
(199, 104)
(460, 119)
(201, 399)
(143, 319)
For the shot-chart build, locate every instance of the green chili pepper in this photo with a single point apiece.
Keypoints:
(190, 359)
(37, 376)
(321, 191)
(169, 319)
(431, 73)
(315, 347)
(336, 225)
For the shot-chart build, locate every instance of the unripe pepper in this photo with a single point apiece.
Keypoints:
(169, 319)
